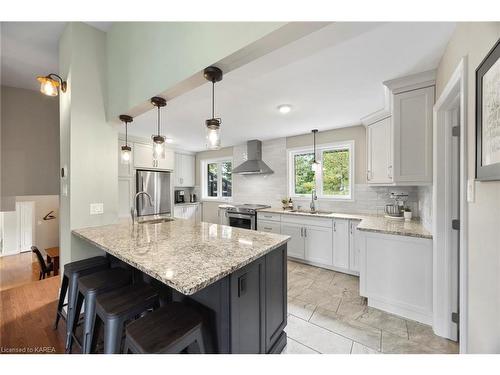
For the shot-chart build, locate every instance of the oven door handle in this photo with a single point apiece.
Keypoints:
(239, 216)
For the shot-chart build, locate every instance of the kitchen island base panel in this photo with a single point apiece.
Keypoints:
(244, 312)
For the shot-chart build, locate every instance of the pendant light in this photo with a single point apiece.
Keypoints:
(158, 139)
(126, 149)
(315, 164)
(213, 74)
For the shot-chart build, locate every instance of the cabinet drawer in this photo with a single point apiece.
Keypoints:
(269, 226)
(306, 220)
(268, 216)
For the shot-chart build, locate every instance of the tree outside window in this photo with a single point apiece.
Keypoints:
(217, 179)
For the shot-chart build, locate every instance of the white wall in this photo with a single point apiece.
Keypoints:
(46, 232)
(30, 143)
(474, 40)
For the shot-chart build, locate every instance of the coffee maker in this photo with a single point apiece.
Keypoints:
(179, 196)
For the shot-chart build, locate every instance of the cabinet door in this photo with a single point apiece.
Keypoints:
(379, 152)
(143, 156)
(168, 162)
(268, 226)
(178, 212)
(187, 170)
(125, 196)
(124, 170)
(412, 121)
(248, 308)
(341, 243)
(353, 246)
(178, 170)
(318, 245)
(198, 214)
(191, 212)
(296, 243)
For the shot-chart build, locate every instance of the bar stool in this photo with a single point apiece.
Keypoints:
(88, 288)
(169, 329)
(117, 307)
(72, 272)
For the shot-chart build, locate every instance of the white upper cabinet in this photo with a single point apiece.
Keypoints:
(379, 152)
(143, 157)
(399, 138)
(184, 170)
(412, 129)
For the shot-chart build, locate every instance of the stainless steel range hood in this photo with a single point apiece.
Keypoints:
(254, 163)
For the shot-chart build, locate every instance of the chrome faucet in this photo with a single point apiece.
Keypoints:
(313, 198)
(133, 210)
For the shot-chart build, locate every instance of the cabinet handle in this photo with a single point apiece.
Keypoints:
(367, 175)
(301, 232)
(242, 285)
(268, 228)
(334, 226)
(389, 171)
(305, 232)
(351, 227)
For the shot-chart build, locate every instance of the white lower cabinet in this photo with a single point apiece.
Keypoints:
(341, 243)
(318, 245)
(269, 226)
(296, 245)
(188, 212)
(354, 246)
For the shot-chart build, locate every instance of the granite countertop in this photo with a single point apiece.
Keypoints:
(184, 256)
(369, 223)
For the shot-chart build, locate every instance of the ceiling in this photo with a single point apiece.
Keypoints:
(332, 78)
(30, 49)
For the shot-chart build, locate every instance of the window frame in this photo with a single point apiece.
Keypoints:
(204, 179)
(320, 148)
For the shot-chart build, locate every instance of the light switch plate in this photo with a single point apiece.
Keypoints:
(96, 208)
(470, 191)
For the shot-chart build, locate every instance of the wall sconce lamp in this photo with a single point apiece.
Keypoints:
(49, 84)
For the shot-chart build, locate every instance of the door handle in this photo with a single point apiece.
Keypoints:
(242, 285)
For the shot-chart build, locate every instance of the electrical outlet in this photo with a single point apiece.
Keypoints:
(96, 208)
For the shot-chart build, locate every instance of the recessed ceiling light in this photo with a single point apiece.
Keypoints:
(168, 140)
(284, 108)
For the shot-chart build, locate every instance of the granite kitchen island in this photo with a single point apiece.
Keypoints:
(236, 277)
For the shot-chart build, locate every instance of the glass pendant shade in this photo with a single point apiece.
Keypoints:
(126, 154)
(316, 166)
(213, 134)
(48, 86)
(158, 147)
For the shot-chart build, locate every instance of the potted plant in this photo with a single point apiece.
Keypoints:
(407, 213)
(284, 202)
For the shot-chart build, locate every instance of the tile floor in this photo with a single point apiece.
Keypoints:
(327, 315)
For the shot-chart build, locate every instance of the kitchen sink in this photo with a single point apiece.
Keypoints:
(311, 212)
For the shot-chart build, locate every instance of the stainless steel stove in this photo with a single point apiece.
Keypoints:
(244, 215)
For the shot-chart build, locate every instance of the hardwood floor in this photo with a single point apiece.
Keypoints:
(19, 269)
(27, 314)
(27, 308)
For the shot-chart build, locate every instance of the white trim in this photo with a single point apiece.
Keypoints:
(203, 180)
(318, 183)
(442, 267)
(411, 82)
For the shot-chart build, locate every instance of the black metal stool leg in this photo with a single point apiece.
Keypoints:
(113, 332)
(62, 297)
(88, 325)
(74, 322)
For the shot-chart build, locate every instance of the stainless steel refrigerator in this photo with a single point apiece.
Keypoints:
(158, 185)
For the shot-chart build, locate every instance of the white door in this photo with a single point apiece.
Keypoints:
(379, 152)
(188, 170)
(178, 170)
(168, 162)
(412, 121)
(269, 226)
(295, 246)
(341, 243)
(318, 245)
(143, 156)
(25, 225)
(353, 246)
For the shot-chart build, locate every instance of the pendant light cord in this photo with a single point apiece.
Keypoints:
(159, 120)
(314, 142)
(126, 133)
(213, 99)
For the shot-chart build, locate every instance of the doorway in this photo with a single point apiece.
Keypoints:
(449, 207)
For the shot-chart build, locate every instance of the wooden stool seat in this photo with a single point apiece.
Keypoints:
(117, 307)
(170, 329)
(89, 287)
